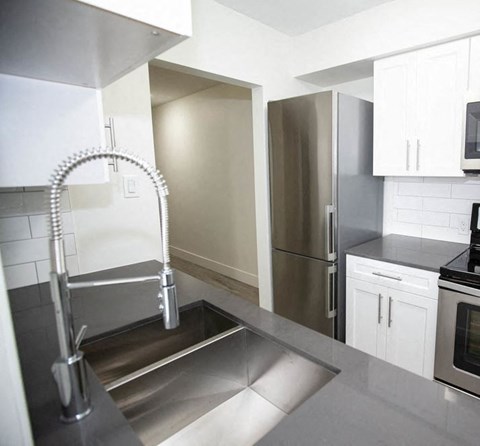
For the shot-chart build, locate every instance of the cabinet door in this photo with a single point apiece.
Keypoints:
(411, 326)
(365, 320)
(42, 124)
(394, 87)
(442, 81)
(474, 70)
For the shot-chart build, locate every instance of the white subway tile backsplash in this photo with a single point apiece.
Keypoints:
(440, 233)
(407, 202)
(407, 216)
(468, 191)
(39, 224)
(35, 202)
(24, 251)
(430, 207)
(72, 266)
(14, 228)
(447, 205)
(407, 179)
(24, 243)
(441, 190)
(28, 203)
(10, 203)
(43, 268)
(17, 276)
(411, 229)
(70, 246)
(436, 219)
(412, 189)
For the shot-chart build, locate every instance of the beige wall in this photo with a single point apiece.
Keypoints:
(204, 148)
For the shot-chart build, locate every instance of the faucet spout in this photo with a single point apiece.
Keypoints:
(69, 369)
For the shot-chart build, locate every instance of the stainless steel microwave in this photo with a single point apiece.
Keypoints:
(471, 150)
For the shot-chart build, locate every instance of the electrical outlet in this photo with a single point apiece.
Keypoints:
(463, 225)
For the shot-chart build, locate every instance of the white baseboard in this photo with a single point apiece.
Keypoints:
(229, 271)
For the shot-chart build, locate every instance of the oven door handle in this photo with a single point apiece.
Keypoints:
(470, 291)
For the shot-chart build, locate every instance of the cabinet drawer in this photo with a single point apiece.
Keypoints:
(403, 278)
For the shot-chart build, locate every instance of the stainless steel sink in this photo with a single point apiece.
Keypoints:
(231, 388)
(131, 348)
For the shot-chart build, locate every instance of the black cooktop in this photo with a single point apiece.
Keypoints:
(464, 267)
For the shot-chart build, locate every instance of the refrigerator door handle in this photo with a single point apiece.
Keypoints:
(330, 232)
(330, 310)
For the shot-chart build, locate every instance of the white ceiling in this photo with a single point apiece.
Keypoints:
(295, 17)
(167, 85)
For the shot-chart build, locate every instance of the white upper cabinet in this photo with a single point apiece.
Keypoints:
(42, 124)
(474, 76)
(394, 83)
(419, 108)
(87, 43)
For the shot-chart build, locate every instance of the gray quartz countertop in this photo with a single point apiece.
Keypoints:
(415, 252)
(369, 402)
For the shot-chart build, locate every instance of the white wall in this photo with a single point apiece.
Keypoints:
(112, 230)
(204, 147)
(430, 207)
(392, 27)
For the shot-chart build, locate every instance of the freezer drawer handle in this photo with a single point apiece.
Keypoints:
(387, 276)
(330, 232)
(330, 311)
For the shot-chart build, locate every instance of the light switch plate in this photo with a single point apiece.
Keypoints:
(130, 186)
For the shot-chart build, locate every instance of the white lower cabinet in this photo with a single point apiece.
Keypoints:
(391, 324)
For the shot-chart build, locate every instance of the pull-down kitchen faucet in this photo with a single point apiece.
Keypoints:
(69, 369)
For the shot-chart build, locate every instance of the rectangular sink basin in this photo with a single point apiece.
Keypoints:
(132, 348)
(230, 389)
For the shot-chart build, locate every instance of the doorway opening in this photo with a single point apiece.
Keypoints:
(203, 137)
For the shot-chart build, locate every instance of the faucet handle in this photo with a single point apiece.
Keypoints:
(80, 336)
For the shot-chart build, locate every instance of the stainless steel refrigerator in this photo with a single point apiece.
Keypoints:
(324, 200)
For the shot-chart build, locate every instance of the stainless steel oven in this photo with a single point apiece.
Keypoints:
(457, 351)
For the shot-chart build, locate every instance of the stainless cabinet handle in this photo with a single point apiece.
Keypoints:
(390, 312)
(330, 310)
(330, 232)
(380, 297)
(418, 154)
(387, 276)
(111, 128)
(408, 154)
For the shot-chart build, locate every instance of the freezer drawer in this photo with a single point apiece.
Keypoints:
(304, 291)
